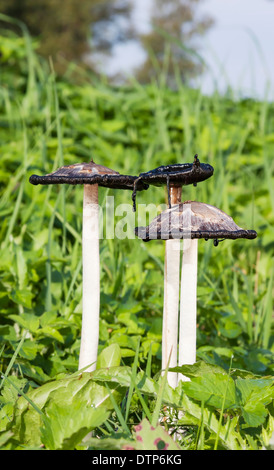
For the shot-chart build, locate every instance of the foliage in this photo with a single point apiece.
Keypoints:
(87, 32)
(68, 31)
(172, 42)
(44, 122)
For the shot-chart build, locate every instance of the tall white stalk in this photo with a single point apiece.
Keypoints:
(188, 304)
(171, 298)
(171, 309)
(91, 279)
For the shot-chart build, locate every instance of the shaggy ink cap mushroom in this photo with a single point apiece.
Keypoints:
(174, 175)
(206, 222)
(90, 175)
(191, 220)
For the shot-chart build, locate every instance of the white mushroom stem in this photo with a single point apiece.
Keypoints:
(188, 305)
(91, 279)
(171, 300)
(171, 309)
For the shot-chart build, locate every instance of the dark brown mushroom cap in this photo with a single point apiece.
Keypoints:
(178, 175)
(88, 173)
(193, 219)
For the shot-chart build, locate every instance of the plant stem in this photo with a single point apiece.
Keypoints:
(91, 279)
(171, 299)
(188, 304)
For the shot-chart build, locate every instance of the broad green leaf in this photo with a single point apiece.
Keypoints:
(120, 375)
(29, 321)
(131, 320)
(63, 393)
(6, 415)
(229, 328)
(9, 394)
(51, 332)
(199, 369)
(254, 413)
(123, 376)
(22, 297)
(216, 390)
(8, 333)
(109, 357)
(255, 390)
(64, 428)
(124, 340)
(253, 395)
(4, 437)
(28, 350)
(230, 438)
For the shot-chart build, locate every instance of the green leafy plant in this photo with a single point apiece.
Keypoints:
(43, 402)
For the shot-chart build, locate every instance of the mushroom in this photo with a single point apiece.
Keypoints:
(91, 176)
(174, 176)
(191, 220)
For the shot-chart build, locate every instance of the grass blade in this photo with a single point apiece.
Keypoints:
(118, 411)
(157, 409)
(13, 359)
(132, 385)
(267, 315)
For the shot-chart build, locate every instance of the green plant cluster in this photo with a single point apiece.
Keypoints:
(44, 403)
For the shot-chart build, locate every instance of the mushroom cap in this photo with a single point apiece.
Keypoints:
(178, 174)
(88, 173)
(192, 219)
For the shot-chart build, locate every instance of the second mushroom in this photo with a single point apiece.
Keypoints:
(174, 177)
(191, 221)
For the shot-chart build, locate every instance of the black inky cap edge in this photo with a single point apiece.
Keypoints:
(143, 233)
(178, 174)
(107, 181)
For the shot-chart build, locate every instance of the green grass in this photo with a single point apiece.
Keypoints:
(45, 122)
